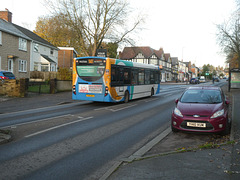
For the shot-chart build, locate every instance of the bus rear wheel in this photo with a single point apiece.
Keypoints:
(126, 97)
(152, 92)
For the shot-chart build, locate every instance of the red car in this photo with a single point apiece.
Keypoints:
(202, 109)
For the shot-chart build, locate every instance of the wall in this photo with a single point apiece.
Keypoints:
(43, 76)
(64, 85)
(14, 88)
(65, 58)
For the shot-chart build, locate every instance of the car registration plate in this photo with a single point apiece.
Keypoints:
(90, 95)
(193, 124)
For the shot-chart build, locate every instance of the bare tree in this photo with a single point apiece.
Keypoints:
(229, 38)
(95, 21)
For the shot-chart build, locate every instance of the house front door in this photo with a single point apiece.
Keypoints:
(10, 65)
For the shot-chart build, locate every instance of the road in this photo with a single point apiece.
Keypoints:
(82, 140)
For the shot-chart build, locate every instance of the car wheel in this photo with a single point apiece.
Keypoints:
(227, 130)
(174, 129)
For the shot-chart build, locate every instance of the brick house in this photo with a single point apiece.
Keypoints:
(22, 51)
(14, 48)
(175, 65)
(168, 67)
(66, 56)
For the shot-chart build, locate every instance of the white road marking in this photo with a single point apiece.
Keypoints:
(55, 127)
(119, 109)
(20, 124)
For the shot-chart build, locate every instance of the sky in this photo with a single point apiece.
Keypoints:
(184, 28)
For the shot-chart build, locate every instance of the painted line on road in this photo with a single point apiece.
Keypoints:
(40, 120)
(168, 95)
(55, 127)
(115, 110)
(41, 109)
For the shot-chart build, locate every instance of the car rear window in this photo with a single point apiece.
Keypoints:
(8, 74)
(201, 96)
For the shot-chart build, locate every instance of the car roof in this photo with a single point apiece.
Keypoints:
(205, 87)
(5, 71)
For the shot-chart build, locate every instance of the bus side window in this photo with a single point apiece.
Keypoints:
(156, 77)
(120, 75)
(141, 76)
(134, 76)
(152, 79)
(147, 77)
(127, 76)
(113, 75)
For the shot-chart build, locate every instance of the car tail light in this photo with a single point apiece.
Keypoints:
(3, 77)
(74, 89)
(106, 91)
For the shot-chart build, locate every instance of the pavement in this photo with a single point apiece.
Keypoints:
(213, 161)
(159, 159)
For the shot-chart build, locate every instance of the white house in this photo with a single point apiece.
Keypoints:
(44, 55)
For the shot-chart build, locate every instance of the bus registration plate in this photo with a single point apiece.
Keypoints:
(90, 95)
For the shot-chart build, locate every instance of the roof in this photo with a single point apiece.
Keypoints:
(174, 60)
(68, 48)
(159, 52)
(205, 87)
(34, 36)
(48, 58)
(132, 52)
(11, 29)
(167, 56)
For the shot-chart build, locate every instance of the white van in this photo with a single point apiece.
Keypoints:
(202, 79)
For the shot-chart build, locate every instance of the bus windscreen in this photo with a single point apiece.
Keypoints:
(90, 71)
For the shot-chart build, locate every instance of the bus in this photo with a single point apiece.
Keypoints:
(113, 80)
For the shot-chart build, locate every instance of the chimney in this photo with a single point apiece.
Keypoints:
(6, 15)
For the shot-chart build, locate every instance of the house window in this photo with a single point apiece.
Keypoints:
(52, 67)
(44, 67)
(154, 61)
(140, 60)
(22, 44)
(22, 66)
(35, 68)
(0, 37)
(35, 47)
(51, 51)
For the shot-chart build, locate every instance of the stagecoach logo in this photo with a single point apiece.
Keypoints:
(196, 116)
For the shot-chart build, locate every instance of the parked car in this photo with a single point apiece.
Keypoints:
(201, 109)
(202, 79)
(194, 80)
(6, 75)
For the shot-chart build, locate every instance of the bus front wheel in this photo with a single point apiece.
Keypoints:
(126, 97)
